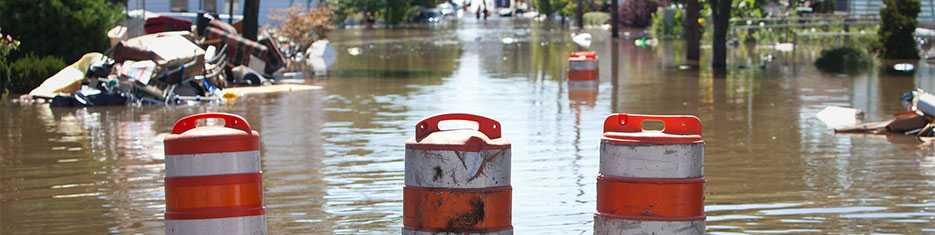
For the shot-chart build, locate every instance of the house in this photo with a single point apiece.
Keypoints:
(220, 7)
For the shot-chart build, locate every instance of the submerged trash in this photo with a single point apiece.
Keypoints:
(837, 117)
(904, 67)
(164, 66)
(918, 120)
(321, 56)
(354, 51)
(507, 40)
(582, 39)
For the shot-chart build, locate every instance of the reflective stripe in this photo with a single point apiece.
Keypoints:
(651, 199)
(218, 196)
(415, 232)
(583, 64)
(613, 226)
(248, 225)
(212, 164)
(583, 85)
(456, 169)
(670, 161)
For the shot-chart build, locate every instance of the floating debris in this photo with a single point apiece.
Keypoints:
(507, 40)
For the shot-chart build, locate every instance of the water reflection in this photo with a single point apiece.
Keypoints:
(333, 158)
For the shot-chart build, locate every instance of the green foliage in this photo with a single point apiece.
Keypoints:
(550, 7)
(63, 28)
(847, 60)
(898, 24)
(667, 22)
(746, 9)
(392, 12)
(596, 18)
(28, 72)
(398, 11)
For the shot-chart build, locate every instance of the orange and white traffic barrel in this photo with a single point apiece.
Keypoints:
(650, 181)
(582, 66)
(457, 181)
(214, 181)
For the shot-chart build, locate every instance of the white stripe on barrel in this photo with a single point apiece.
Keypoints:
(213, 164)
(610, 226)
(456, 169)
(252, 225)
(652, 161)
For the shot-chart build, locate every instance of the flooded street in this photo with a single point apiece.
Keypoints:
(333, 157)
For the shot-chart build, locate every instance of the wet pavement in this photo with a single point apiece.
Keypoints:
(333, 157)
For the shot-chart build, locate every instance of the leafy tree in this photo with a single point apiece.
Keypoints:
(720, 13)
(899, 23)
(42, 25)
(368, 8)
(550, 7)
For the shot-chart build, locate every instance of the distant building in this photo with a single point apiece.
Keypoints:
(217, 6)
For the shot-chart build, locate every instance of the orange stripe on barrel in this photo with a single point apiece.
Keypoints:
(220, 196)
(582, 75)
(651, 199)
(457, 210)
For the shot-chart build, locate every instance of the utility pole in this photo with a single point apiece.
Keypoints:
(230, 11)
(580, 15)
(251, 15)
(615, 19)
(690, 31)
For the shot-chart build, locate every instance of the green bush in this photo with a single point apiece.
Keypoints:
(596, 18)
(847, 60)
(667, 22)
(62, 28)
(896, 32)
(27, 73)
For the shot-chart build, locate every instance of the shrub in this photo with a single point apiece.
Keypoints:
(843, 60)
(638, 13)
(596, 18)
(898, 24)
(28, 72)
(42, 25)
(667, 23)
(304, 27)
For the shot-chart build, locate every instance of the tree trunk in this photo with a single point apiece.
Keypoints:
(615, 19)
(691, 31)
(721, 12)
(579, 14)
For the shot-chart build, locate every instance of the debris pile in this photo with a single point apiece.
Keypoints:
(175, 62)
(918, 120)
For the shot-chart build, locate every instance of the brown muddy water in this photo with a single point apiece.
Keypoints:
(333, 157)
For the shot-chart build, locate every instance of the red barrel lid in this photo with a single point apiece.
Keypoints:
(582, 55)
(430, 137)
(235, 136)
(625, 128)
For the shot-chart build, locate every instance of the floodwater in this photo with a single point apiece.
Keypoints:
(333, 157)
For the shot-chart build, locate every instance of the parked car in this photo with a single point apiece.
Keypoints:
(429, 15)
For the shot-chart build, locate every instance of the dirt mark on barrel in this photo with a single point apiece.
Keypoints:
(469, 219)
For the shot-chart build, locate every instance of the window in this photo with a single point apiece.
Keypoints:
(209, 5)
(178, 6)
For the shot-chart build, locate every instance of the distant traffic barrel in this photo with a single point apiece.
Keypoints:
(582, 65)
(214, 182)
(457, 181)
(650, 181)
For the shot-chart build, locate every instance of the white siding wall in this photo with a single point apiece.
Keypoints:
(266, 6)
